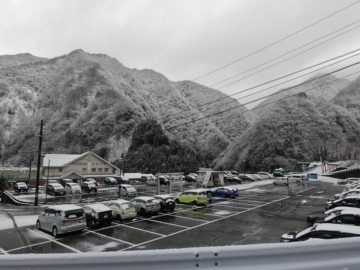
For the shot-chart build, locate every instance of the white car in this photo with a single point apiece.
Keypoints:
(122, 209)
(266, 175)
(60, 219)
(127, 190)
(346, 193)
(72, 188)
(151, 181)
(281, 181)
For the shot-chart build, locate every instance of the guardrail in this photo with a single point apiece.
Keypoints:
(317, 254)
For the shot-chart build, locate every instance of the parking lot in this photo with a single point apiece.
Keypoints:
(258, 215)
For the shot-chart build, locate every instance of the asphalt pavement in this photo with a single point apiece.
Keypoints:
(258, 215)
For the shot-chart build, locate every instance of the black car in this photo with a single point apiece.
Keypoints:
(345, 216)
(97, 214)
(246, 178)
(55, 190)
(88, 187)
(167, 203)
(21, 187)
(122, 179)
(231, 178)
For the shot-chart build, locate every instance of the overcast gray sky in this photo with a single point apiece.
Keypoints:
(181, 39)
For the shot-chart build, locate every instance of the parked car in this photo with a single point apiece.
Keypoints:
(151, 181)
(164, 179)
(352, 186)
(191, 177)
(281, 181)
(322, 231)
(61, 219)
(231, 178)
(330, 214)
(88, 187)
(167, 202)
(352, 201)
(245, 177)
(52, 181)
(348, 181)
(122, 179)
(92, 180)
(223, 193)
(21, 187)
(127, 190)
(347, 193)
(72, 188)
(97, 214)
(194, 197)
(110, 181)
(122, 209)
(236, 190)
(297, 178)
(66, 181)
(55, 190)
(146, 205)
(266, 175)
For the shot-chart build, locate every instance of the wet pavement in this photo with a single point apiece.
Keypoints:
(259, 215)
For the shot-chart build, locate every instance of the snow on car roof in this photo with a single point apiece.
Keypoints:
(163, 196)
(65, 207)
(336, 209)
(72, 184)
(126, 185)
(98, 207)
(56, 185)
(120, 201)
(351, 211)
(145, 198)
(338, 227)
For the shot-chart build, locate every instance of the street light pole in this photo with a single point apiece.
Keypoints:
(38, 164)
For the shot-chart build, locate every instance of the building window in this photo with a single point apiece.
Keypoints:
(93, 169)
(99, 169)
(106, 169)
(60, 169)
(84, 169)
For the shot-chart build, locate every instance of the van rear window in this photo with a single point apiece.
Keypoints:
(74, 213)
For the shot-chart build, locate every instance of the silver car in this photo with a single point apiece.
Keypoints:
(146, 205)
(60, 219)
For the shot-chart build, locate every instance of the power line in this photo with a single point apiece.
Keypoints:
(287, 53)
(276, 42)
(273, 80)
(281, 91)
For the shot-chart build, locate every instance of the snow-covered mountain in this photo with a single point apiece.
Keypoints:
(93, 102)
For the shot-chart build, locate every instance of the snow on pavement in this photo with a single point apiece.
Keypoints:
(21, 221)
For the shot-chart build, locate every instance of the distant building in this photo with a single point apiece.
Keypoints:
(60, 166)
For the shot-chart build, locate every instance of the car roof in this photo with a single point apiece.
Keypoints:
(337, 227)
(126, 185)
(144, 198)
(55, 185)
(120, 201)
(98, 207)
(65, 207)
(339, 208)
(163, 196)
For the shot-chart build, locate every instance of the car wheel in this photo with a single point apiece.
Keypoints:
(55, 232)
(118, 217)
(142, 212)
(177, 201)
(194, 203)
(38, 225)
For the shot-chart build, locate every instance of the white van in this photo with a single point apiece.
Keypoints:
(60, 219)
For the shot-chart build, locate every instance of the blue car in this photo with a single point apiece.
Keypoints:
(224, 193)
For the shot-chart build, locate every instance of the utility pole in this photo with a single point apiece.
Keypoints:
(38, 165)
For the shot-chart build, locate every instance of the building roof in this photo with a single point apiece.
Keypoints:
(61, 160)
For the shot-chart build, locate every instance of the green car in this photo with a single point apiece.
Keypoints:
(192, 197)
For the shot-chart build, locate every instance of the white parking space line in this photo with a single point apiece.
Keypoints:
(29, 246)
(109, 237)
(131, 227)
(55, 241)
(230, 206)
(189, 218)
(200, 225)
(166, 223)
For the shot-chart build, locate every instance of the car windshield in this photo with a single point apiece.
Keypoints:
(126, 205)
(74, 213)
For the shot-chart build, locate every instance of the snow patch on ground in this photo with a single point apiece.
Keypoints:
(222, 213)
(21, 221)
(104, 247)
